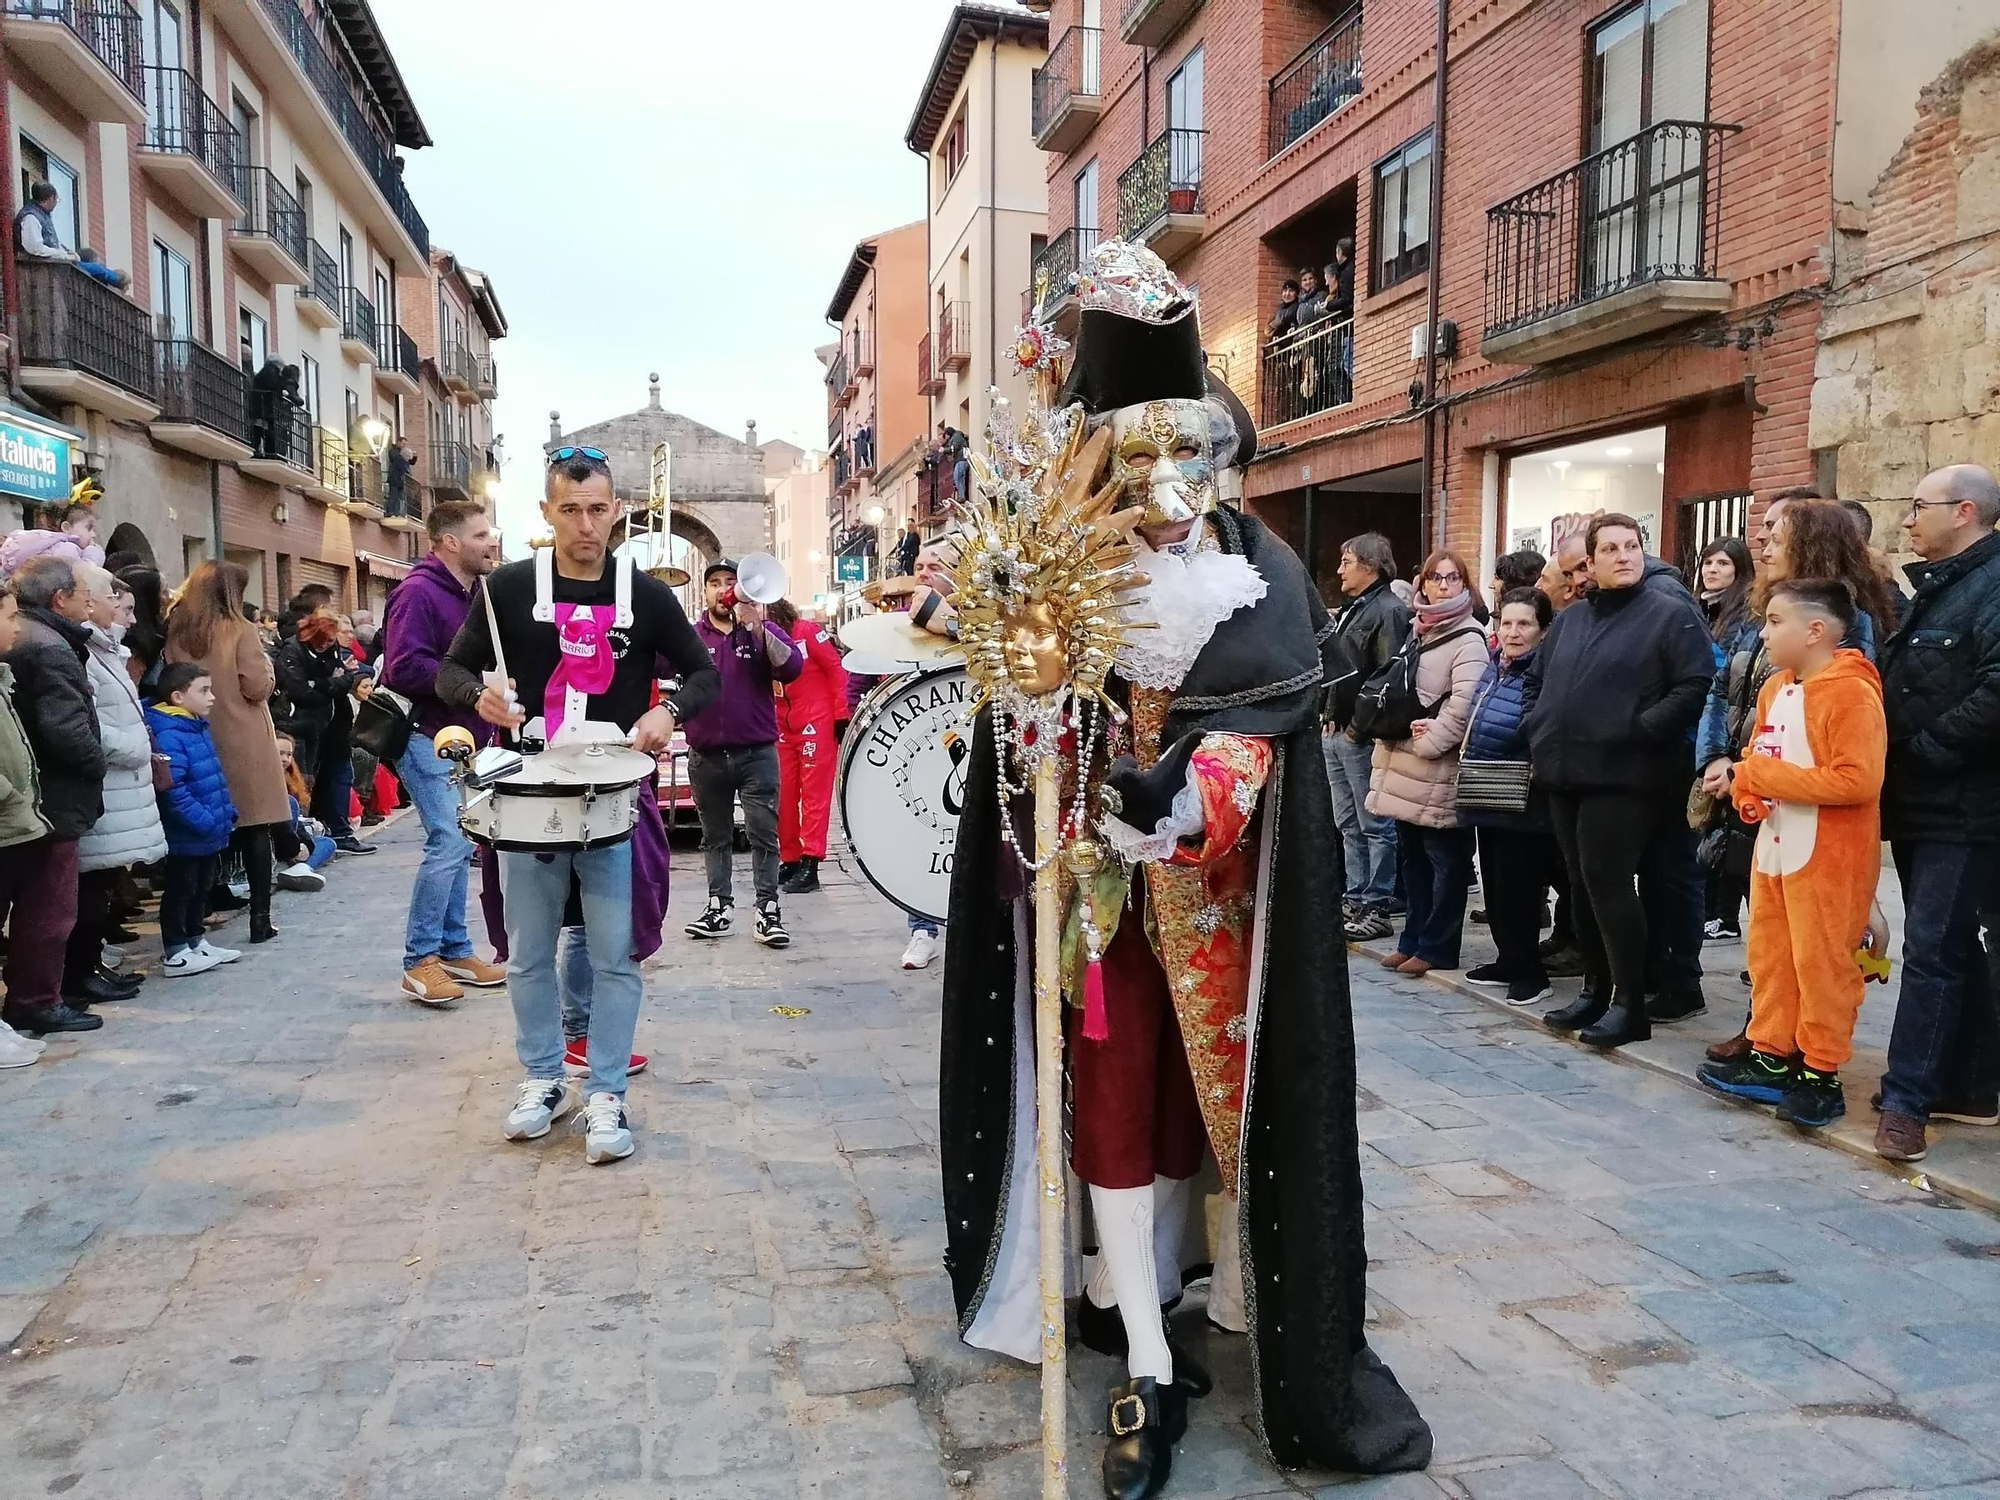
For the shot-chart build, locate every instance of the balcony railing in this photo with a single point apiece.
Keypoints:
(861, 350)
(1315, 84)
(843, 470)
(451, 467)
(1645, 210)
(402, 496)
(111, 29)
(1164, 179)
(954, 340)
(75, 322)
(834, 432)
(930, 379)
(1309, 370)
(200, 386)
(271, 210)
(282, 430)
(181, 119)
(377, 155)
(396, 350)
(357, 317)
(1058, 261)
(364, 480)
(330, 462)
(1071, 72)
(836, 374)
(485, 377)
(324, 285)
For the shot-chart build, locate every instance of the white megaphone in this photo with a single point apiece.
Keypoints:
(760, 578)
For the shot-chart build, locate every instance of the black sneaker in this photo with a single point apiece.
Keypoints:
(770, 929)
(1715, 930)
(1760, 1078)
(714, 920)
(1478, 915)
(1813, 1100)
(804, 878)
(1366, 926)
(41, 1021)
(1528, 991)
(785, 870)
(1490, 976)
(1563, 963)
(1670, 1006)
(353, 845)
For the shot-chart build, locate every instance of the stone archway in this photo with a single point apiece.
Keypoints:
(695, 531)
(125, 537)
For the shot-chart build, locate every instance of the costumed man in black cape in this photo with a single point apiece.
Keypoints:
(1211, 1016)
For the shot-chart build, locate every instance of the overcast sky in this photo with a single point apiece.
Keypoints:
(661, 185)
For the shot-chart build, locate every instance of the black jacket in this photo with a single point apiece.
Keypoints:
(313, 683)
(1941, 692)
(1616, 688)
(1340, 295)
(59, 712)
(1370, 627)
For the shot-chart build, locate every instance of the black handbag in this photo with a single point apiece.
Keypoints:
(1493, 786)
(1388, 705)
(383, 725)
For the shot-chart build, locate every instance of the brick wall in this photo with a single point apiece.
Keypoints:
(1517, 114)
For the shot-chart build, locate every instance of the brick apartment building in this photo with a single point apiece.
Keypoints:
(453, 315)
(875, 413)
(240, 160)
(1639, 218)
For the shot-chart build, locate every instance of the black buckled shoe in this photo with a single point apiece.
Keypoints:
(1624, 1022)
(1103, 1329)
(99, 988)
(1585, 1010)
(1145, 1421)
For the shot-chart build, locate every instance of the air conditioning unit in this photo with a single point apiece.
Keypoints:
(1447, 341)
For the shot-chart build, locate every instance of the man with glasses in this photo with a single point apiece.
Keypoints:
(1370, 626)
(1941, 813)
(566, 625)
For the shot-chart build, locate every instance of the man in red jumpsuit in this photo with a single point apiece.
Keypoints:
(808, 711)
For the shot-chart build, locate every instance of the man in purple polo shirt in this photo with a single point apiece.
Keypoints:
(733, 751)
(424, 616)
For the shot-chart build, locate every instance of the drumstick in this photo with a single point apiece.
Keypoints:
(497, 679)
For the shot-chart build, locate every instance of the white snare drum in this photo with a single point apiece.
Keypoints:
(576, 797)
(902, 784)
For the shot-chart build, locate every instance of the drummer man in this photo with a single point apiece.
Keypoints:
(924, 595)
(577, 629)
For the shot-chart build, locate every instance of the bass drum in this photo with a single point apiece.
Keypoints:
(902, 784)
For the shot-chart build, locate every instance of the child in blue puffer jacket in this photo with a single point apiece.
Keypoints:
(196, 812)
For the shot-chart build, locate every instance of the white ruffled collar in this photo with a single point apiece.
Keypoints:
(1193, 590)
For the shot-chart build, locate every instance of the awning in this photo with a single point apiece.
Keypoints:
(389, 567)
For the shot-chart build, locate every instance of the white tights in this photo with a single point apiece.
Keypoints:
(1125, 1260)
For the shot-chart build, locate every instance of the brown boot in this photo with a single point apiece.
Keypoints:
(1735, 1049)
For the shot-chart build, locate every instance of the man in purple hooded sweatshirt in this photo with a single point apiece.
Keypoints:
(424, 615)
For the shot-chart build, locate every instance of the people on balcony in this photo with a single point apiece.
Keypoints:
(396, 469)
(1286, 318)
(91, 264)
(35, 226)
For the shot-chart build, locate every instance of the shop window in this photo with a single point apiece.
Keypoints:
(1554, 491)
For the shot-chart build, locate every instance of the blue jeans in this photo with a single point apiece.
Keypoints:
(1437, 868)
(918, 924)
(1369, 841)
(574, 982)
(437, 899)
(537, 888)
(322, 850)
(1946, 1040)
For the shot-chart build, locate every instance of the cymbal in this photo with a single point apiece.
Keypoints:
(671, 576)
(892, 637)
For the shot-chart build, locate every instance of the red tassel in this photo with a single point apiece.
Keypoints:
(1096, 1025)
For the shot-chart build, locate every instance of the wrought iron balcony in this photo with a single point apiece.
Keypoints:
(1159, 195)
(836, 376)
(271, 234)
(319, 294)
(1624, 242)
(189, 146)
(376, 153)
(835, 431)
(450, 470)
(1050, 276)
(930, 376)
(204, 401)
(329, 467)
(954, 340)
(485, 377)
(1309, 370)
(82, 341)
(364, 484)
(88, 51)
(1317, 83)
(284, 443)
(357, 324)
(455, 366)
(397, 368)
(861, 348)
(1068, 90)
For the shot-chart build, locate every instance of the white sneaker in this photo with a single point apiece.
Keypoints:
(110, 956)
(33, 1043)
(17, 1051)
(220, 955)
(539, 1104)
(922, 952)
(194, 959)
(240, 888)
(607, 1133)
(299, 877)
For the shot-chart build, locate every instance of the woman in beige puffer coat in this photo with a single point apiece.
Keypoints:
(1415, 781)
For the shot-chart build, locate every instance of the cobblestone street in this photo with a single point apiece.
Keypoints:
(260, 1239)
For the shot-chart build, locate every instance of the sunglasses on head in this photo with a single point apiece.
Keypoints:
(591, 455)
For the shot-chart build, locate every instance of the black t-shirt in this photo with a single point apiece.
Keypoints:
(659, 643)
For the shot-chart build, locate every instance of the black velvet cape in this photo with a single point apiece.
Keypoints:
(1322, 1398)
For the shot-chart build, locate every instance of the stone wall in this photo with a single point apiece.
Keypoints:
(1908, 372)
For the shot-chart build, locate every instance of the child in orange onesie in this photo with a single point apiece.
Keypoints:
(1813, 778)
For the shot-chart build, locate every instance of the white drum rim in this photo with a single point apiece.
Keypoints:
(865, 712)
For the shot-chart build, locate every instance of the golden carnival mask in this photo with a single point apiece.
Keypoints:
(1161, 453)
